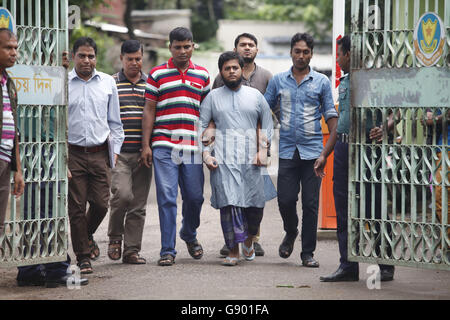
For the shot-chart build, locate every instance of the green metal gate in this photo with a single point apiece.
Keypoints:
(36, 230)
(389, 81)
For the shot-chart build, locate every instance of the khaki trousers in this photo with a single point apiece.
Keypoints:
(5, 185)
(91, 180)
(130, 186)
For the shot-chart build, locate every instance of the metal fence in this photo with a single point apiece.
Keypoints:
(36, 229)
(398, 200)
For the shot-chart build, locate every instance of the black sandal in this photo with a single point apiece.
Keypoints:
(85, 266)
(95, 250)
(287, 246)
(195, 249)
(166, 260)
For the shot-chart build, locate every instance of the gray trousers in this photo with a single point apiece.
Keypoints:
(130, 186)
(5, 184)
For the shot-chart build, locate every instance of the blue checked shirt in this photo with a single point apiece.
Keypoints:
(302, 107)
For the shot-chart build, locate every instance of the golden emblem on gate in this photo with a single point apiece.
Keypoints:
(429, 39)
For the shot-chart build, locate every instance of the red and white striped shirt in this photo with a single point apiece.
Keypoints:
(178, 96)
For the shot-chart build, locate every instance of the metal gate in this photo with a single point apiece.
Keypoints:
(395, 184)
(36, 230)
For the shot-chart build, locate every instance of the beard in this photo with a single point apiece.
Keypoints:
(248, 60)
(232, 84)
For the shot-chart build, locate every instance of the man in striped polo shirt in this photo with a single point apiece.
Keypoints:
(130, 181)
(9, 143)
(173, 95)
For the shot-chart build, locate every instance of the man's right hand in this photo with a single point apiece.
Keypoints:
(208, 135)
(147, 157)
(211, 162)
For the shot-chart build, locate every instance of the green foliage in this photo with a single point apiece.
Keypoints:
(103, 42)
(203, 29)
(316, 14)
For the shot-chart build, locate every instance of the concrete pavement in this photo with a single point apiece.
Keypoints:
(267, 278)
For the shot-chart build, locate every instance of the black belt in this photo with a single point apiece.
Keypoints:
(89, 149)
(343, 137)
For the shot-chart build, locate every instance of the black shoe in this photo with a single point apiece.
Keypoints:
(341, 275)
(53, 283)
(31, 282)
(387, 273)
(287, 246)
(259, 251)
(310, 262)
(224, 251)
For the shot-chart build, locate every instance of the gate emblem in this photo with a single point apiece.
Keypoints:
(429, 39)
(7, 20)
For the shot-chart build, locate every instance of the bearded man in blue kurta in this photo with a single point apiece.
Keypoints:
(238, 154)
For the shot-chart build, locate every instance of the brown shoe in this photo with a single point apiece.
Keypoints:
(115, 249)
(134, 258)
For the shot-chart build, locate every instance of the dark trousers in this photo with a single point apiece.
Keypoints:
(53, 270)
(291, 174)
(340, 191)
(91, 179)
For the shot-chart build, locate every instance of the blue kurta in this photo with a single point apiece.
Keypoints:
(236, 181)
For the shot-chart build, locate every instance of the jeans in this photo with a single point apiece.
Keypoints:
(291, 174)
(172, 169)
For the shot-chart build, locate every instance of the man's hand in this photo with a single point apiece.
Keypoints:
(116, 156)
(209, 135)
(69, 174)
(147, 156)
(319, 165)
(210, 161)
(19, 184)
(376, 134)
(261, 159)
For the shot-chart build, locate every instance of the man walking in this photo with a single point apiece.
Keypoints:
(304, 96)
(173, 95)
(246, 45)
(9, 142)
(236, 180)
(348, 271)
(94, 129)
(130, 180)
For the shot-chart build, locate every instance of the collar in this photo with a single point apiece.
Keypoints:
(345, 76)
(73, 74)
(121, 76)
(310, 75)
(253, 72)
(4, 79)
(171, 65)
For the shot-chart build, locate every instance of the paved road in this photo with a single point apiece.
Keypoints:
(264, 278)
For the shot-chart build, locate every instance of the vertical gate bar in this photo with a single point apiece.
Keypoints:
(387, 35)
(426, 5)
(365, 31)
(22, 13)
(47, 14)
(30, 13)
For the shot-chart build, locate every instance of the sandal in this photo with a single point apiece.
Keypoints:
(246, 252)
(95, 250)
(287, 246)
(166, 260)
(85, 266)
(195, 249)
(134, 258)
(230, 262)
(115, 249)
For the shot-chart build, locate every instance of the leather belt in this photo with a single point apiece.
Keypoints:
(89, 149)
(343, 137)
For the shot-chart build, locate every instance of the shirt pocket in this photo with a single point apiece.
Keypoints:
(313, 97)
(100, 101)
